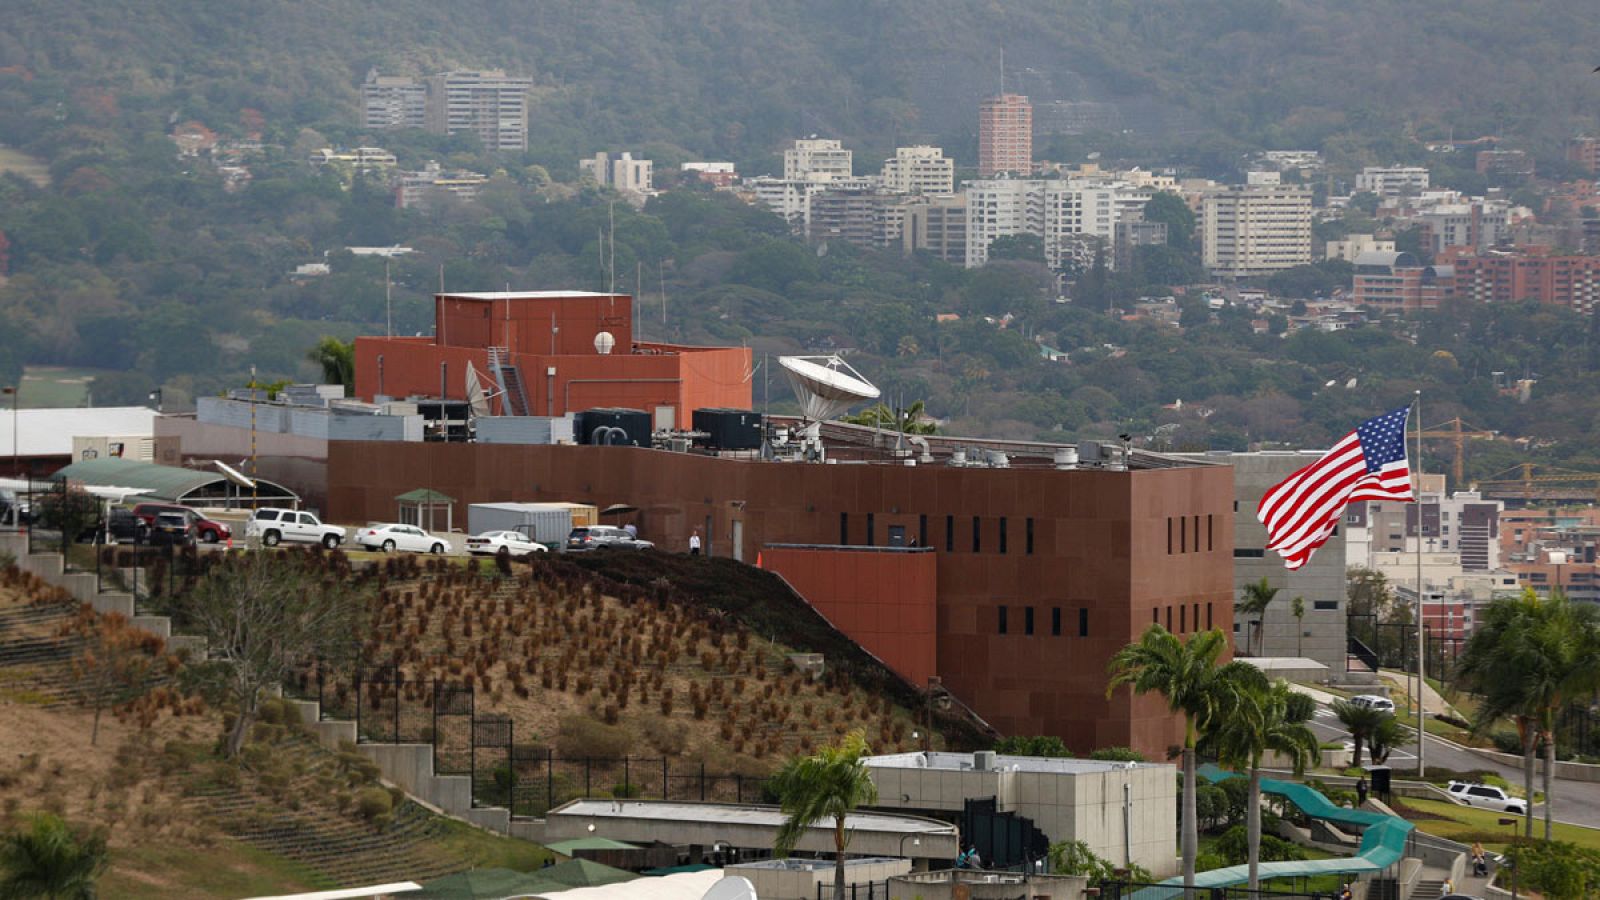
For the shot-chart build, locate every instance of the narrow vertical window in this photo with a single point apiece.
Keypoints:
(871, 537)
(1210, 532)
(1169, 618)
(1029, 550)
(1027, 620)
(1197, 617)
(977, 535)
(844, 528)
(1002, 620)
(1155, 615)
(1183, 534)
(1197, 533)
(1209, 626)
(1083, 622)
(949, 534)
(922, 530)
(1055, 621)
(1003, 534)
(1183, 618)
(1169, 535)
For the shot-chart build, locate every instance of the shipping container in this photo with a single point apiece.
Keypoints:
(546, 523)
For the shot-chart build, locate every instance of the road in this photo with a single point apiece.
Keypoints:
(1577, 802)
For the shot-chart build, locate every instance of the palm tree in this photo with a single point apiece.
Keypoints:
(1264, 718)
(881, 416)
(1534, 655)
(1253, 601)
(47, 860)
(1363, 723)
(1195, 685)
(1297, 607)
(828, 784)
(337, 359)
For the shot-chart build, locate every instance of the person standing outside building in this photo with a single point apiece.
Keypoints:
(694, 543)
(1361, 792)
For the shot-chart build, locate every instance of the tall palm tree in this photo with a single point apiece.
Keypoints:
(1196, 686)
(1253, 601)
(828, 784)
(1544, 651)
(1492, 667)
(1297, 607)
(1264, 718)
(47, 860)
(337, 359)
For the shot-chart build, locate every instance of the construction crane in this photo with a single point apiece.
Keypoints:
(1528, 486)
(1457, 432)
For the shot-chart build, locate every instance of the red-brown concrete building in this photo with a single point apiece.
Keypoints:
(1009, 571)
(1529, 274)
(547, 340)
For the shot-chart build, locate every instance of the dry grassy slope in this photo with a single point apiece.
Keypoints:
(181, 822)
(597, 666)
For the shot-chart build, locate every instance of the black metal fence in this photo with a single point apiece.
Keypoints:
(1133, 890)
(869, 890)
(526, 777)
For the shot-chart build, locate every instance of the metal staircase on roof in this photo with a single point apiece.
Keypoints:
(509, 376)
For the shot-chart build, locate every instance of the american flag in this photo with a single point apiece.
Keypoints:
(1367, 464)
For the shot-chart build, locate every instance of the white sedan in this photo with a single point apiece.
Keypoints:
(389, 538)
(515, 543)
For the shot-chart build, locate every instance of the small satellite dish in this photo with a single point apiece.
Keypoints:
(232, 474)
(733, 887)
(604, 342)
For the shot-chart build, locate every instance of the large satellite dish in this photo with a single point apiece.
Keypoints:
(825, 385)
(733, 887)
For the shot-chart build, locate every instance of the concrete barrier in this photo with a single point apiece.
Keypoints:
(1571, 771)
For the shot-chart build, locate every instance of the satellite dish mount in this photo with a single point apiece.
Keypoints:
(825, 386)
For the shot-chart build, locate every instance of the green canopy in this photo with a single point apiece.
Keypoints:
(570, 848)
(584, 873)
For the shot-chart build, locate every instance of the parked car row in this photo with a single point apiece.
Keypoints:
(161, 524)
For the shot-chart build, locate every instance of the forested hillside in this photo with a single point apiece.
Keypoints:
(119, 255)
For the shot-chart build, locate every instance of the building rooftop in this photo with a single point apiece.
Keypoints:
(49, 432)
(964, 762)
(734, 814)
(520, 295)
(812, 865)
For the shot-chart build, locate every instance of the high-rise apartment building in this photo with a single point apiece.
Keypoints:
(492, 105)
(1389, 181)
(937, 225)
(919, 170)
(1059, 212)
(817, 159)
(1005, 136)
(626, 174)
(392, 101)
(1255, 230)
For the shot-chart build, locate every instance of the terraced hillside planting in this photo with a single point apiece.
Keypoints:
(181, 820)
(584, 684)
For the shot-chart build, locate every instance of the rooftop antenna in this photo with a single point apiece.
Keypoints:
(611, 215)
(388, 301)
(1002, 71)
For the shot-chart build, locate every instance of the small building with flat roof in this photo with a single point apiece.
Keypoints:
(704, 825)
(1125, 811)
(797, 879)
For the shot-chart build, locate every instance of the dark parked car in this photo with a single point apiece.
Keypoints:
(602, 537)
(205, 529)
(174, 529)
(121, 526)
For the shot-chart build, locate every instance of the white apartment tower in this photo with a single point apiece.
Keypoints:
(919, 170)
(1255, 230)
(391, 101)
(1061, 213)
(626, 174)
(491, 105)
(1389, 181)
(817, 159)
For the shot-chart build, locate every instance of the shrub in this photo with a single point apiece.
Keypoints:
(374, 804)
(580, 737)
(1507, 742)
(1118, 754)
(1035, 745)
(626, 791)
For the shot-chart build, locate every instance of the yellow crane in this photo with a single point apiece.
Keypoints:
(1457, 432)
(1528, 486)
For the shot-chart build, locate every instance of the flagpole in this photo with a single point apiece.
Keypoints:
(1422, 632)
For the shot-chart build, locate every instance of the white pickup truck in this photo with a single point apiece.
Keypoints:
(273, 526)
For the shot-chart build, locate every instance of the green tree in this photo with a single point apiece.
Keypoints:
(1526, 658)
(1170, 208)
(1196, 687)
(829, 784)
(1264, 718)
(1046, 745)
(1361, 721)
(1253, 601)
(1297, 607)
(264, 616)
(47, 860)
(338, 361)
(1024, 247)
(881, 416)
